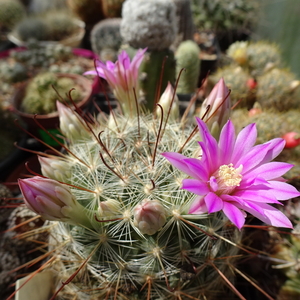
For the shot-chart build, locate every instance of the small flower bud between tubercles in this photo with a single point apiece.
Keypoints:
(165, 102)
(149, 216)
(71, 124)
(55, 168)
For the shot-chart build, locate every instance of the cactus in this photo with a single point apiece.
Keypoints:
(12, 11)
(112, 8)
(225, 14)
(40, 96)
(31, 28)
(51, 26)
(151, 70)
(279, 89)
(187, 57)
(106, 37)
(60, 25)
(41, 6)
(257, 56)
(144, 245)
(149, 24)
(236, 79)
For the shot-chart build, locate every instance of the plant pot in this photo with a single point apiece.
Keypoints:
(37, 124)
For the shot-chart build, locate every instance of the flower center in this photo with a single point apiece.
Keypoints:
(229, 175)
(228, 178)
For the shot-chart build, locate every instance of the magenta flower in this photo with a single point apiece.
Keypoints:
(122, 77)
(236, 176)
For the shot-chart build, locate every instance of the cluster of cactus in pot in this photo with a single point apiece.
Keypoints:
(262, 76)
(44, 89)
(49, 26)
(142, 205)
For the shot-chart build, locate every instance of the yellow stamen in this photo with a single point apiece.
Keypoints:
(229, 175)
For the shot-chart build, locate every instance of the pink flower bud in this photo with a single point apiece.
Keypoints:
(55, 168)
(149, 216)
(70, 123)
(165, 101)
(219, 109)
(52, 200)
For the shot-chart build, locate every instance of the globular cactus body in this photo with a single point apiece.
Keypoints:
(187, 58)
(106, 38)
(12, 11)
(151, 71)
(150, 24)
(278, 88)
(142, 243)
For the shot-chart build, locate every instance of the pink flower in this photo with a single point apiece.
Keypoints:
(236, 176)
(52, 200)
(215, 109)
(122, 77)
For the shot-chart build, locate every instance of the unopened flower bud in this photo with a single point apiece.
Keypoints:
(215, 109)
(108, 208)
(55, 168)
(165, 102)
(52, 201)
(70, 123)
(149, 216)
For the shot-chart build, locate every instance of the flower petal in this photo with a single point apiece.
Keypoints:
(253, 157)
(177, 160)
(264, 196)
(235, 215)
(195, 186)
(269, 171)
(213, 202)
(275, 148)
(196, 167)
(283, 190)
(244, 142)
(226, 143)
(271, 215)
(198, 206)
(210, 143)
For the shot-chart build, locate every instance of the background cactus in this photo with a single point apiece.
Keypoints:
(106, 38)
(60, 25)
(51, 26)
(41, 6)
(257, 56)
(188, 57)
(151, 25)
(31, 28)
(40, 96)
(224, 14)
(12, 11)
(279, 89)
